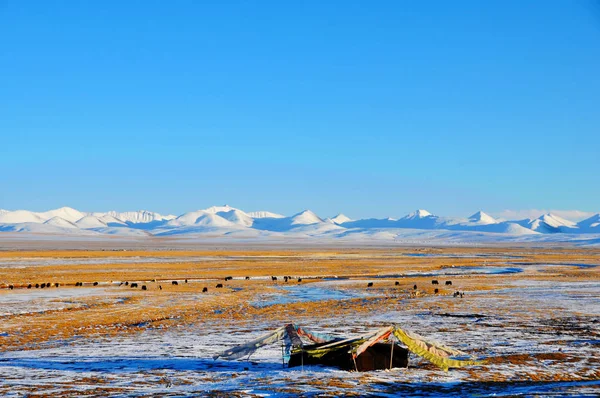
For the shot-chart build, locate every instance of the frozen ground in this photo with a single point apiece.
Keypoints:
(540, 338)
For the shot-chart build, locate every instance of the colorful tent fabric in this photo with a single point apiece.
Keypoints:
(314, 337)
(435, 353)
(249, 348)
(382, 334)
(336, 345)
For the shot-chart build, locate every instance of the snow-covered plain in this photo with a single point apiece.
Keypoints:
(518, 329)
(225, 222)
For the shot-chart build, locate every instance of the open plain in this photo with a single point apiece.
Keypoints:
(533, 313)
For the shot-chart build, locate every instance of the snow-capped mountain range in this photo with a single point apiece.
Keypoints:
(229, 221)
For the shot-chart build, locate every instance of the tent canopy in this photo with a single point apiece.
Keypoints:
(436, 353)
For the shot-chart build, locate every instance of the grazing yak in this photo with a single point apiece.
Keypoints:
(247, 278)
(159, 287)
(43, 285)
(299, 280)
(175, 283)
(11, 287)
(204, 290)
(436, 291)
(448, 283)
(95, 283)
(285, 278)
(37, 285)
(414, 287)
(143, 287)
(134, 285)
(370, 284)
(219, 285)
(186, 281)
(29, 286)
(228, 278)
(435, 282)
(273, 278)
(397, 283)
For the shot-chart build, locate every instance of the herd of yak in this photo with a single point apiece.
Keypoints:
(219, 285)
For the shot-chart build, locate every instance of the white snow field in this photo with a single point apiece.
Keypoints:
(559, 337)
(228, 223)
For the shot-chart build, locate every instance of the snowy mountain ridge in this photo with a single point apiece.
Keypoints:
(229, 221)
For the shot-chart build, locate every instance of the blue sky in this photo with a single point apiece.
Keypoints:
(369, 108)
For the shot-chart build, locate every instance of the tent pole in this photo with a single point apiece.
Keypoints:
(282, 356)
(302, 357)
(392, 354)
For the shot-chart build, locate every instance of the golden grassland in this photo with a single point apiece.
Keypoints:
(116, 310)
(323, 263)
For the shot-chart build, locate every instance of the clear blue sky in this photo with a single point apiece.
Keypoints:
(369, 108)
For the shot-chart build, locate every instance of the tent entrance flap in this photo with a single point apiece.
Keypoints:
(374, 357)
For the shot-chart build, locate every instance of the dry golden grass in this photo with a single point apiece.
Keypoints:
(105, 314)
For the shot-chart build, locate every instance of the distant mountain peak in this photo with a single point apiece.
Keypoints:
(60, 222)
(340, 219)
(555, 221)
(88, 222)
(591, 222)
(482, 218)
(219, 209)
(306, 217)
(420, 213)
